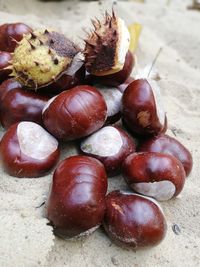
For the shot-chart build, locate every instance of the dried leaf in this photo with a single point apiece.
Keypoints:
(135, 31)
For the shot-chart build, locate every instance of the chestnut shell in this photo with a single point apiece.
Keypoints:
(133, 221)
(76, 202)
(119, 77)
(169, 145)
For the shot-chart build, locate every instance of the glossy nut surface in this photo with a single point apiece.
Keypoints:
(111, 145)
(10, 33)
(142, 108)
(17, 105)
(169, 145)
(154, 174)
(75, 113)
(5, 59)
(76, 203)
(27, 150)
(133, 221)
(120, 77)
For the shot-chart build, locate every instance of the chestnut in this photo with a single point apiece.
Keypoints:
(113, 99)
(5, 59)
(169, 145)
(10, 34)
(154, 174)
(27, 150)
(75, 113)
(111, 145)
(133, 221)
(76, 203)
(119, 77)
(20, 105)
(142, 108)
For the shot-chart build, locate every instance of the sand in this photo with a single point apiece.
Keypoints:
(25, 238)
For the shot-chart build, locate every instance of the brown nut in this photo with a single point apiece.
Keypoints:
(12, 33)
(17, 104)
(75, 113)
(154, 174)
(27, 150)
(76, 203)
(133, 221)
(5, 59)
(111, 145)
(169, 145)
(142, 108)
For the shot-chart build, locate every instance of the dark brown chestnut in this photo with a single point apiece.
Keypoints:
(75, 113)
(169, 145)
(27, 150)
(111, 145)
(142, 108)
(17, 104)
(5, 59)
(12, 33)
(76, 204)
(154, 174)
(133, 221)
(113, 99)
(120, 77)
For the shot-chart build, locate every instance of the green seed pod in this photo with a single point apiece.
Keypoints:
(41, 57)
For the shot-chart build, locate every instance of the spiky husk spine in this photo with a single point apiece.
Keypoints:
(41, 57)
(101, 45)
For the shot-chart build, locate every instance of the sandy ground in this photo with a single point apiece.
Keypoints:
(25, 238)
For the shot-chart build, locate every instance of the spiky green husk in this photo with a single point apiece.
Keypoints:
(41, 57)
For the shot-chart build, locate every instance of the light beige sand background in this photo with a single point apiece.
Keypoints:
(25, 238)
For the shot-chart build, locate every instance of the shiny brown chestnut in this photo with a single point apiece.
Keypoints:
(133, 221)
(17, 104)
(5, 59)
(111, 145)
(120, 77)
(76, 204)
(27, 150)
(113, 99)
(10, 34)
(169, 145)
(154, 174)
(75, 113)
(142, 108)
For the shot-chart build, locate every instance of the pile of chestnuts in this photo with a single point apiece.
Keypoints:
(53, 91)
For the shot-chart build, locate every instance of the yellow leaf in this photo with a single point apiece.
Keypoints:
(135, 31)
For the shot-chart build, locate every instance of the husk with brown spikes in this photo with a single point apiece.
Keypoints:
(101, 46)
(41, 57)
